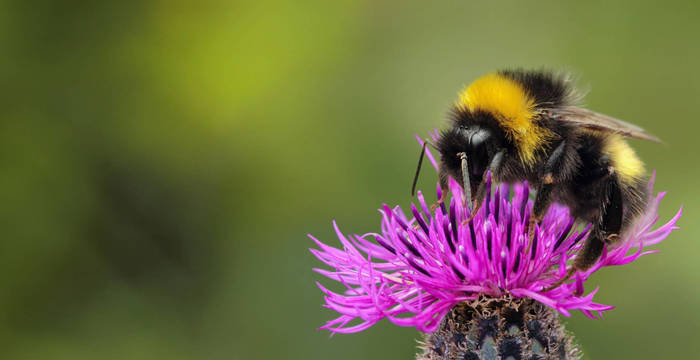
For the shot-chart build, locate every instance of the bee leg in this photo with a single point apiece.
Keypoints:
(612, 214)
(544, 190)
(587, 256)
(606, 230)
(443, 178)
(567, 276)
(439, 201)
(542, 201)
(478, 198)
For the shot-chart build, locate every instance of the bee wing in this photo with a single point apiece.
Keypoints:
(596, 121)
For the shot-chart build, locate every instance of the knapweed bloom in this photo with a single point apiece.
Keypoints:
(422, 264)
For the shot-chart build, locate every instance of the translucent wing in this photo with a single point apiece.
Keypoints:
(595, 121)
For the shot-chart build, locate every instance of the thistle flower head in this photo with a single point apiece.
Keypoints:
(422, 264)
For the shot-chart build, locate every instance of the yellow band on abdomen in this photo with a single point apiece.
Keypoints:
(625, 161)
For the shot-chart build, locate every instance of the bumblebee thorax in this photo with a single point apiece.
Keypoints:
(514, 110)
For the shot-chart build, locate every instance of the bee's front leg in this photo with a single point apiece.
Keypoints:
(478, 198)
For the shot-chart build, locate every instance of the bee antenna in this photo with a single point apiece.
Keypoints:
(420, 162)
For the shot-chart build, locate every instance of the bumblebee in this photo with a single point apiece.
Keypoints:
(526, 125)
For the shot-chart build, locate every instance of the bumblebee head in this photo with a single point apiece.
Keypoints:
(478, 140)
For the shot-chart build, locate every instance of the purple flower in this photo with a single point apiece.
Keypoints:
(420, 266)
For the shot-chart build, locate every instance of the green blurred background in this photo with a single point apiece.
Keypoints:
(162, 163)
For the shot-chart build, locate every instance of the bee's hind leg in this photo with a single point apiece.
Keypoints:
(606, 229)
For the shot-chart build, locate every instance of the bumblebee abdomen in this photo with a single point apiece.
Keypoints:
(597, 152)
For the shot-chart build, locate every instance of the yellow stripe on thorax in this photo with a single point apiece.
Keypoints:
(626, 163)
(515, 111)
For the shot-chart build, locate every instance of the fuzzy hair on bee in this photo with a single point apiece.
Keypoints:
(527, 125)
